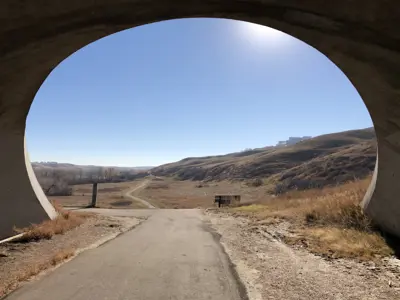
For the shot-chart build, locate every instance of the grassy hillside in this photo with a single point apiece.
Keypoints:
(323, 160)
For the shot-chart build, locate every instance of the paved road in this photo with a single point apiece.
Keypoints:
(172, 255)
(128, 194)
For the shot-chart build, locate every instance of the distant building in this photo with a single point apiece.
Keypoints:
(281, 143)
(292, 140)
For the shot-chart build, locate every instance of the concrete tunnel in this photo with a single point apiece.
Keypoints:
(361, 37)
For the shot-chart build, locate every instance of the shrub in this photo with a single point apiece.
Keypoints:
(256, 182)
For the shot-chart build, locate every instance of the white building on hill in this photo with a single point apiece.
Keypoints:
(292, 140)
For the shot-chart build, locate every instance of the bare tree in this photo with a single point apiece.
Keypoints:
(109, 173)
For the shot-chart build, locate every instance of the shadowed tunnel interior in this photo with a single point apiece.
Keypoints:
(360, 37)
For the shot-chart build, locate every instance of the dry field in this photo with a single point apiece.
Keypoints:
(169, 193)
(109, 195)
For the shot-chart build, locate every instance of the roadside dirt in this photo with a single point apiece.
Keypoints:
(20, 262)
(270, 269)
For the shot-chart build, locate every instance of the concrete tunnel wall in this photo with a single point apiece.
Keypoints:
(360, 36)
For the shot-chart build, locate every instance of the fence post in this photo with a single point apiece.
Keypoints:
(94, 195)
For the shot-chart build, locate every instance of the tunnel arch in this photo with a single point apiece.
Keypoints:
(360, 37)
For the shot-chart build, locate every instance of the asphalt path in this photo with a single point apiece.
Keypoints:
(171, 255)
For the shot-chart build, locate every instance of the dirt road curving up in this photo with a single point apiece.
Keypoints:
(129, 193)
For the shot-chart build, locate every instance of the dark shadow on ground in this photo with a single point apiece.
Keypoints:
(121, 203)
(77, 207)
(393, 242)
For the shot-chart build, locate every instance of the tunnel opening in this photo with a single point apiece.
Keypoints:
(332, 32)
(307, 163)
(361, 38)
(257, 45)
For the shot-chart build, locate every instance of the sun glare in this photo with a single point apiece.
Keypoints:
(261, 31)
(259, 34)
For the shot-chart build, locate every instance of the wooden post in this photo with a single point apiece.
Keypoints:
(94, 195)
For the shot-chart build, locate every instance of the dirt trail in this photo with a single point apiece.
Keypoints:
(129, 193)
(272, 270)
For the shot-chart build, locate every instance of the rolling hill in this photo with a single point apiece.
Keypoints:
(323, 160)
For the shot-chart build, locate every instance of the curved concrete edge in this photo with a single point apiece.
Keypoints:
(381, 202)
(20, 204)
(371, 188)
(41, 197)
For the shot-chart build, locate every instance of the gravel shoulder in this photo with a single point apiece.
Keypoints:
(270, 269)
(20, 262)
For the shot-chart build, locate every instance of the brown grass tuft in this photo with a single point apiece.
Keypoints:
(65, 221)
(341, 208)
(329, 221)
(58, 207)
(61, 256)
(342, 243)
(337, 206)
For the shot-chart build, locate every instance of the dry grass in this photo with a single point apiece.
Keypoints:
(328, 221)
(31, 270)
(65, 221)
(61, 256)
(342, 243)
(330, 206)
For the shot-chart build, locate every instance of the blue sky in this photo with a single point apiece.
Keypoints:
(189, 87)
